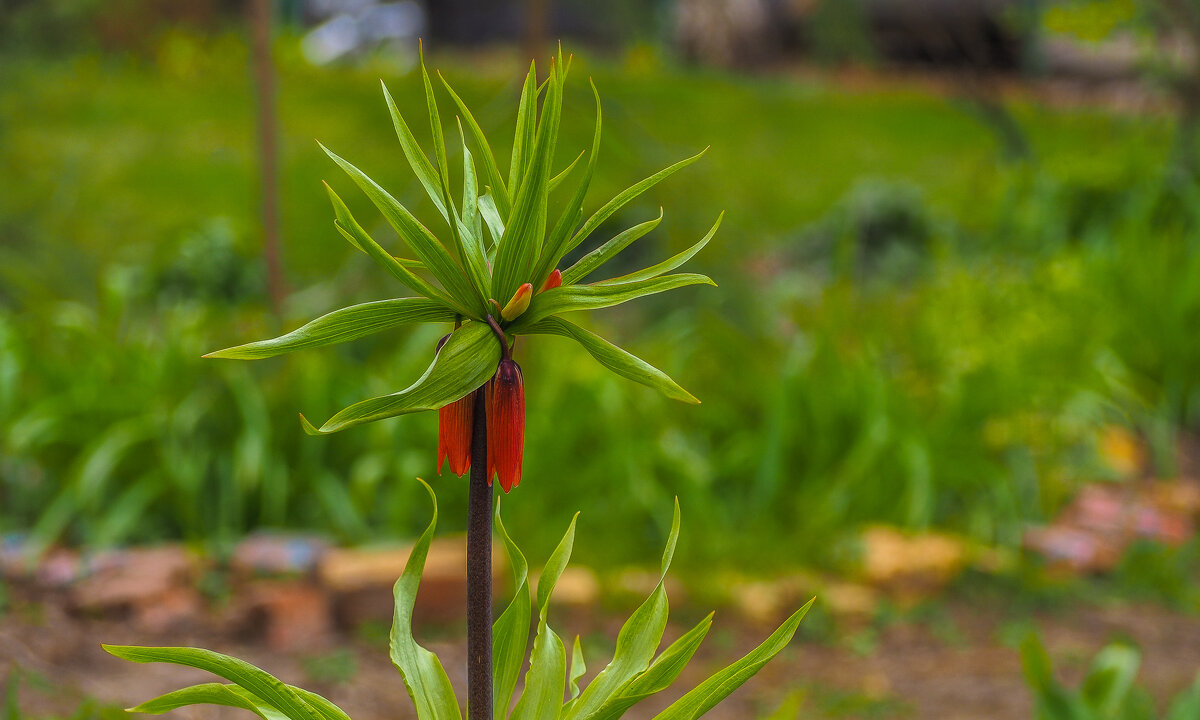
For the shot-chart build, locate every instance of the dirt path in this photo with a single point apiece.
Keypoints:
(955, 662)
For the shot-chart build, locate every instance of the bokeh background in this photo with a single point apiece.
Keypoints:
(959, 290)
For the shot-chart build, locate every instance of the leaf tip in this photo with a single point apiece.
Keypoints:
(309, 428)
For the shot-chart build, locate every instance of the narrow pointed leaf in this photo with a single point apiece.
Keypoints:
(578, 668)
(417, 236)
(718, 687)
(607, 251)
(464, 363)
(523, 136)
(402, 271)
(472, 260)
(491, 217)
(554, 568)
(543, 694)
(421, 670)
(636, 642)
(625, 196)
(570, 298)
(665, 669)
(571, 215)
(511, 629)
(422, 168)
(343, 325)
(237, 697)
(489, 158)
(470, 201)
(258, 682)
(670, 264)
(566, 172)
(474, 255)
(209, 694)
(522, 242)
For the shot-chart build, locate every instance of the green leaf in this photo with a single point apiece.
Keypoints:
(402, 270)
(423, 674)
(343, 325)
(511, 630)
(523, 135)
(569, 298)
(426, 247)
(209, 694)
(422, 168)
(607, 251)
(473, 228)
(1186, 705)
(464, 363)
(566, 172)
(554, 568)
(1110, 678)
(573, 212)
(658, 677)
(578, 668)
(491, 217)
(667, 266)
(1050, 698)
(707, 694)
(625, 196)
(523, 230)
(636, 642)
(543, 694)
(237, 697)
(471, 258)
(259, 683)
(489, 159)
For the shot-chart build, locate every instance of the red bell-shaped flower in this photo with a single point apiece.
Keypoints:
(505, 403)
(454, 434)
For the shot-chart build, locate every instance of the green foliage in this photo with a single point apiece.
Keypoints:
(1043, 302)
(1108, 691)
(635, 673)
(471, 279)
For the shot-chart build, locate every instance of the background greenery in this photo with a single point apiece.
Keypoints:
(908, 329)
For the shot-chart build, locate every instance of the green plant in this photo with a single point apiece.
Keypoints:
(1107, 692)
(487, 292)
(636, 672)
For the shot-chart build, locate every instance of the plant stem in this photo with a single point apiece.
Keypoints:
(479, 572)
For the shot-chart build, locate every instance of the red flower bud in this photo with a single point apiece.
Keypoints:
(505, 403)
(454, 434)
(555, 280)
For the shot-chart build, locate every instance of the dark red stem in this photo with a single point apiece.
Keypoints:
(479, 571)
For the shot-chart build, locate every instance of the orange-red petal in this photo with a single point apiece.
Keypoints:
(506, 424)
(454, 434)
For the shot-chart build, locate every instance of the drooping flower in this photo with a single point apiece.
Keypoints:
(505, 401)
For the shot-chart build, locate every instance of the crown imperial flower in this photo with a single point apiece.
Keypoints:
(498, 243)
(506, 425)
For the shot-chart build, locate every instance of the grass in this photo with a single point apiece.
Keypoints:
(907, 331)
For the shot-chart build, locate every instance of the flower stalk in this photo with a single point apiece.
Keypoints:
(479, 572)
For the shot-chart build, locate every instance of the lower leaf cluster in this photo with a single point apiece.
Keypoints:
(551, 690)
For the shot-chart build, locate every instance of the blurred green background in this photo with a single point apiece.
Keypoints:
(941, 280)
